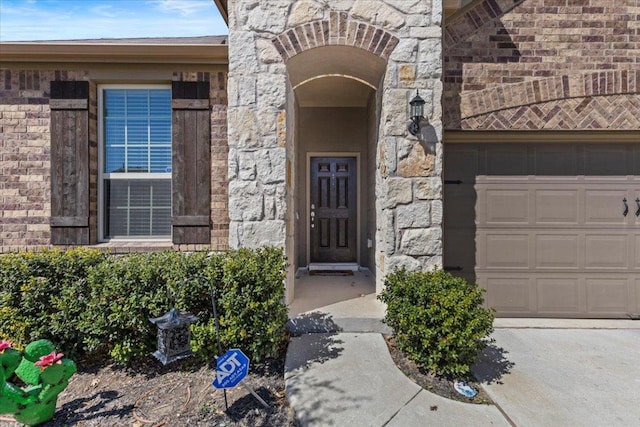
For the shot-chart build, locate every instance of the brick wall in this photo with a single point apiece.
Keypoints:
(25, 188)
(501, 56)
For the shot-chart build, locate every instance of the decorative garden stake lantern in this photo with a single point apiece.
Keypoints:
(174, 335)
(417, 113)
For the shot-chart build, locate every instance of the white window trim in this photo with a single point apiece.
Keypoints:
(102, 175)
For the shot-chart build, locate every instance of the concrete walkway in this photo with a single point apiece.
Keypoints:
(539, 372)
(565, 377)
(339, 371)
(336, 304)
(349, 379)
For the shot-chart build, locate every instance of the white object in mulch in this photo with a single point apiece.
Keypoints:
(465, 389)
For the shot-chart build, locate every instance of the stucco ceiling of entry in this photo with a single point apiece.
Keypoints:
(333, 91)
(332, 60)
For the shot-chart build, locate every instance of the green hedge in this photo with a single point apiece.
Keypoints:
(43, 293)
(438, 320)
(92, 304)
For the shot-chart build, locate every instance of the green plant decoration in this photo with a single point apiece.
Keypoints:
(45, 373)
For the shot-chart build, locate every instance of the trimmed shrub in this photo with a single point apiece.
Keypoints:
(43, 293)
(92, 304)
(125, 292)
(249, 289)
(438, 319)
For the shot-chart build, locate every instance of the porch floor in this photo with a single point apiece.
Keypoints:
(336, 303)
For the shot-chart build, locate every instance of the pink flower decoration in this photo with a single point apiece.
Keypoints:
(4, 345)
(49, 359)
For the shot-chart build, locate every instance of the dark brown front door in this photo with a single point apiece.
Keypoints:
(333, 211)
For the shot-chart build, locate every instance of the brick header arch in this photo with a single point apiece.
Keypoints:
(600, 83)
(339, 29)
(467, 22)
(613, 112)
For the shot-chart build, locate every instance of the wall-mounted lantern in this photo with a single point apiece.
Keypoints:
(174, 335)
(417, 113)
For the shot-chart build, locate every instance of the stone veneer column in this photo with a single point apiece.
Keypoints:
(256, 120)
(409, 173)
(409, 170)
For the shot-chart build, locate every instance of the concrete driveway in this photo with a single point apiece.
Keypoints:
(565, 377)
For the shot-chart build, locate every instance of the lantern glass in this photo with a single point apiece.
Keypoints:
(417, 107)
(174, 335)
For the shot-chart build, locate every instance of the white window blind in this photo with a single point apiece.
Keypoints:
(136, 163)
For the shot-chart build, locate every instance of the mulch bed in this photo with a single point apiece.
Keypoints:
(430, 381)
(181, 394)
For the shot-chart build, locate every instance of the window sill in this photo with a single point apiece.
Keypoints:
(121, 247)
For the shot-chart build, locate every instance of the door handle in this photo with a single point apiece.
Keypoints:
(638, 203)
(313, 217)
(626, 207)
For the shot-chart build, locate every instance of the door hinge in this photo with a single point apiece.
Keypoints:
(452, 268)
(452, 181)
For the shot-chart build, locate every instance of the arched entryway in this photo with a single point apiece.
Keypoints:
(335, 92)
(317, 82)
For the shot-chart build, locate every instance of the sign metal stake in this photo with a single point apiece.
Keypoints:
(217, 323)
(215, 316)
(255, 395)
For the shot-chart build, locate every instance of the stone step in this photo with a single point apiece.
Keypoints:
(319, 322)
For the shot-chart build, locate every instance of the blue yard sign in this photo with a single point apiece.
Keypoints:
(231, 368)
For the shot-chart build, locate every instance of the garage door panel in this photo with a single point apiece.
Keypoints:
(506, 250)
(607, 295)
(461, 247)
(556, 160)
(606, 207)
(469, 277)
(507, 207)
(460, 206)
(559, 295)
(462, 165)
(551, 237)
(634, 310)
(606, 160)
(507, 160)
(635, 155)
(636, 259)
(557, 251)
(606, 251)
(508, 294)
(556, 207)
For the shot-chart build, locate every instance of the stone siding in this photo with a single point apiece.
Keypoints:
(543, 64)
(263, 37)
(25, 187)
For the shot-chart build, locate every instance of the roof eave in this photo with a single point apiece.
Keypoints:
(114, 53)
(223, 7)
